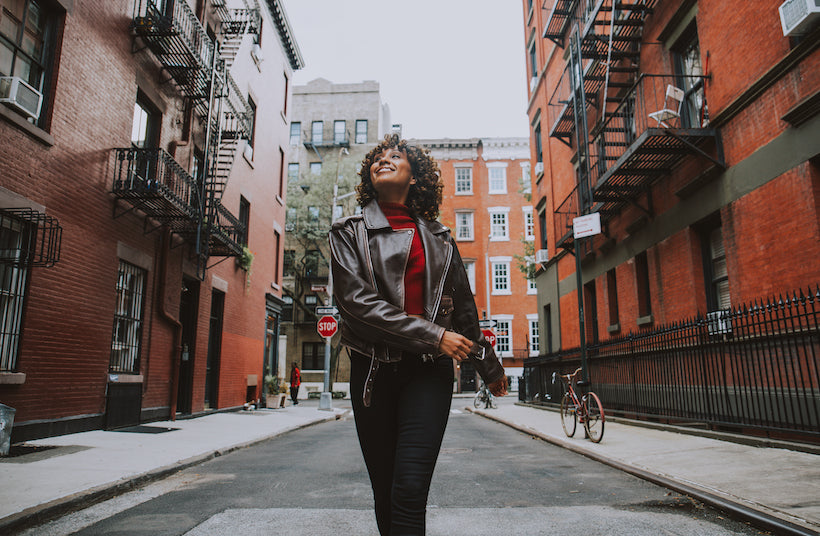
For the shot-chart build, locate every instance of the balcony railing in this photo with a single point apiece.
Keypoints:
(153, 182)
(174, 34)
(646, 135)
(226, 233)
(327, 141)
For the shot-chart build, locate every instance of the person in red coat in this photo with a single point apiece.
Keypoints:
(295, 382)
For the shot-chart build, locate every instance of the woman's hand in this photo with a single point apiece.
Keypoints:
(499, 387)
(454, 345)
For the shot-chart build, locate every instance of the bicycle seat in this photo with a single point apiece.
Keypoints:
(582, 383)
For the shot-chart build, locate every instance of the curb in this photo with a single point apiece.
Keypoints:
(756, 516)
(42, 513)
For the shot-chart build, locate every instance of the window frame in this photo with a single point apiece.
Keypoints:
(499, 211)
(469, 226)
(317, 134)
(497, 186)
(128, 317)
(459, 181)
(361, 136)
(295, 133)
(501, 282)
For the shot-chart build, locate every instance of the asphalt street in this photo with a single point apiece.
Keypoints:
(490, 480)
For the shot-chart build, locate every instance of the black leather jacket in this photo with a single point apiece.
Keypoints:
(368, 261)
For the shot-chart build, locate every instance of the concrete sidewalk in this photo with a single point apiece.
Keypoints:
(778, 488)
(86, 467)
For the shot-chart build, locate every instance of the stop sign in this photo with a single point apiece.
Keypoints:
(327, 326)
(489, 335)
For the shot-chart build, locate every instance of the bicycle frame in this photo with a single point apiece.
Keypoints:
(576, 409)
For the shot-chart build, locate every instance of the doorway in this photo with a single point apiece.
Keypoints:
(188, 314)
(214, 349)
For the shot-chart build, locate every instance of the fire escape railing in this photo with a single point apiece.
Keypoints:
(226, 232)
(153, 182)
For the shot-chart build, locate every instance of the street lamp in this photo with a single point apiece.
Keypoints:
(325, 402)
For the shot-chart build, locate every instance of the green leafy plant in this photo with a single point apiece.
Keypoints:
(275, 385)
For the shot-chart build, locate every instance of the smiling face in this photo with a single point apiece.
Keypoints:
(392, 175)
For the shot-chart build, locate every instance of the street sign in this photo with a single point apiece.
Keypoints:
(322, 310)
(318, 288)
(586, 225)
(489, 335)
(327, 326)
(487, 324)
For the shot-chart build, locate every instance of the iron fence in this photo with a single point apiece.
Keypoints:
(754, 369)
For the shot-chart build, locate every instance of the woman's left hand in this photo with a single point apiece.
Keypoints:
(499, 387)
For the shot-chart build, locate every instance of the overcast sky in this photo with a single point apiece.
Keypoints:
(446, 68)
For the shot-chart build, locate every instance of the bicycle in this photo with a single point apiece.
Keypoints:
(484, 396)
(587, 409)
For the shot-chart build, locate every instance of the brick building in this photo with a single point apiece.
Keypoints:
(141, 214)
(332, 128)
(486, 205)
(698, 148)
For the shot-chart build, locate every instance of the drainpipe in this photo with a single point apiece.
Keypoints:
(176, 349)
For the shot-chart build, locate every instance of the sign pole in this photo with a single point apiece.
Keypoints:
(579, 282)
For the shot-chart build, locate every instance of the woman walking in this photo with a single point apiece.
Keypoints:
(407, 312)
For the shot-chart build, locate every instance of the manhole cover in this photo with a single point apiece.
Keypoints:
(142, 429)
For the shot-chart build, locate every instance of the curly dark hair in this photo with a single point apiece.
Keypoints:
(425, 195)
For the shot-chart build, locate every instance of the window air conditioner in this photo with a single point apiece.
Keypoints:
(718, 322)
(539, 168)
(542, 256)
(16, 93)
(533, 83)
(256, 53)
(798, 16)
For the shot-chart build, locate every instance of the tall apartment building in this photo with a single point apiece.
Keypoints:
(486, 206)
(142, 191)
(697, 148)
(332, 128)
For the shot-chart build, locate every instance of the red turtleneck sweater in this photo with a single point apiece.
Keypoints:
(400, 217)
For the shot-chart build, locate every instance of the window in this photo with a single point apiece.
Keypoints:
(464, 225)
(290, 220)
(288, 263)
(311, 262)
(27, 31)
(295, 132)
(293, 172)
(501, 275)
(287, 309)
(534, 339)
(591, 312)
(339, 131)
(498, 178)
(503, 336)
(244, 219)
(464, 180)
(361, 131)
(127, 335)
(145, 125)
(542, 226)
(612, 298)
(526, 178)
(313, 214)
(14, 235)
(499, 229)
(277, 242)
(529, 224)
(316, 129)
(539, 157)
(717, 275)
(313, 356)
(287, 82)
(315, 168)
(686, 58)
(533, 65)
(532, 288)
(252, 122)
(281, 192)
(469, 267)
(642, 282)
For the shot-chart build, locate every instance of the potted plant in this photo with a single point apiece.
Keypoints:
(245, 261)
(277, 391)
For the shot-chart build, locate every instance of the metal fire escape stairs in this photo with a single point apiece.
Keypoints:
(604, 56)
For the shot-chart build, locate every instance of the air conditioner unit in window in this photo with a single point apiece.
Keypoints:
(256, 53)
(539, 168)
(16, 93)
(542, 256)
(798, 16)
(718, 322)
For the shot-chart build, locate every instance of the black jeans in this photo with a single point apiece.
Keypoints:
(400, 435)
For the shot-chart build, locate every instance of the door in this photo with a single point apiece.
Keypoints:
(214, 349)
(188, 314)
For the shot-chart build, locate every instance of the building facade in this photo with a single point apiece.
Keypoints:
(698, 151)
(332, 128)
(487, 206)
(142, 208)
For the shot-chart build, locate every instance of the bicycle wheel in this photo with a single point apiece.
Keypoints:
(477, 400)
(594, 422)
(568, 417)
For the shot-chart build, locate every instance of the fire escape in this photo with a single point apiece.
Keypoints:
(149, 179)
(629, 128)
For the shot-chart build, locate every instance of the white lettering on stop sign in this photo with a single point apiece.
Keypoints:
(489, 335)
(327, 326)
